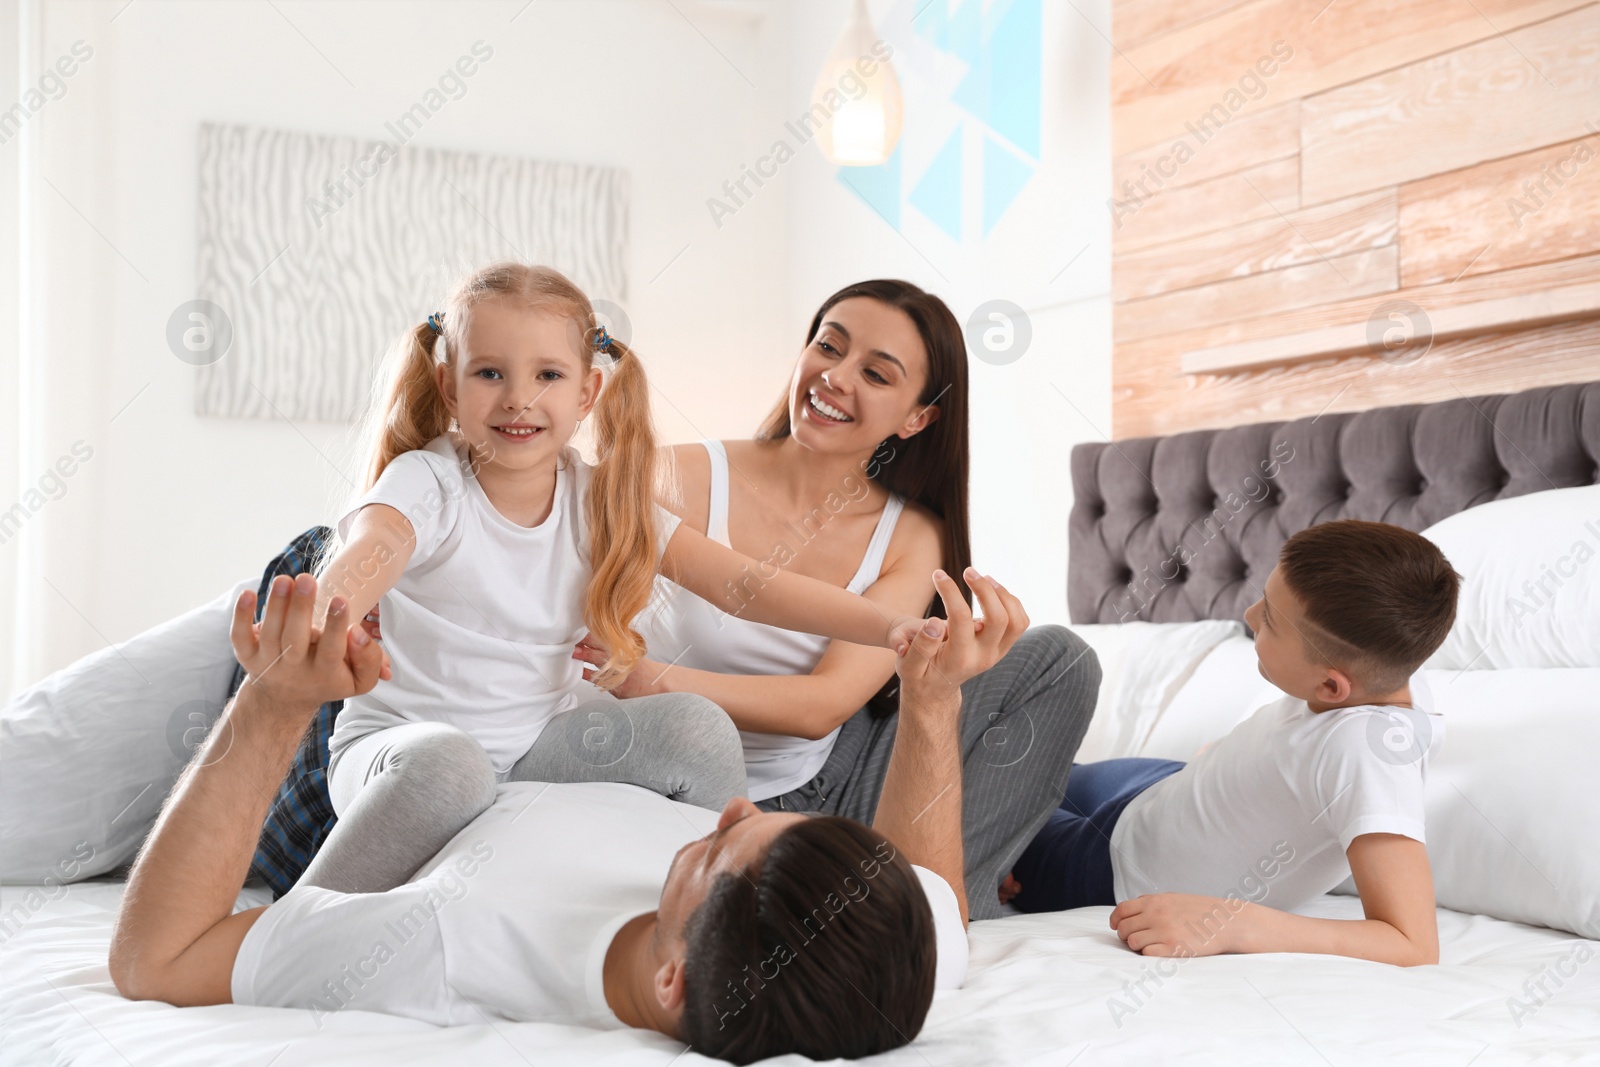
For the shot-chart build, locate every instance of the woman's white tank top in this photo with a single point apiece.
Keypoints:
(680, 628)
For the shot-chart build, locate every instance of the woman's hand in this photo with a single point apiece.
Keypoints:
(370, 624)
(644, 680)
(1009, 889)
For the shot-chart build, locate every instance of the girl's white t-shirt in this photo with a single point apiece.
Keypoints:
(480, 627)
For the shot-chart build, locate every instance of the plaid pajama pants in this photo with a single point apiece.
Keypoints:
(301, 815)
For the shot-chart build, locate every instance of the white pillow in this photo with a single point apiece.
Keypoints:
(1142, 666)
(1532, 592)
(90, 753)
(1512, 808)
(1224, 690)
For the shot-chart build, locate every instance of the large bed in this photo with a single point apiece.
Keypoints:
(1161, 566)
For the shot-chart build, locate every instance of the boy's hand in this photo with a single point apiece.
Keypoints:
(289, 661)
(1179, 924)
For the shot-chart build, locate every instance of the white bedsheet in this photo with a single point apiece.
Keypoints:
(1042, 989)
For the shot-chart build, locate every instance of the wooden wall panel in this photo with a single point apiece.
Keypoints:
(1158, 86)
(1413, 126)
(1530, 208)
(1243, 142)
(1502, 96)
(1269, 190)
(1304, 236)
(1139, 20)
(1355, 275)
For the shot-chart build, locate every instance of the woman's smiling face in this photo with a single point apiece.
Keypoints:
(860, 379)
(518, 385)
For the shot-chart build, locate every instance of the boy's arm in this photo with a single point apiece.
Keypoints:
(1396, 886)
(762, 592)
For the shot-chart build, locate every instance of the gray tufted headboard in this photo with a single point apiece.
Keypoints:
(1186, 527)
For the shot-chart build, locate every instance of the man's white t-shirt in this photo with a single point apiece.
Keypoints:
(511, 920)
(1266, 813)
(480, 627)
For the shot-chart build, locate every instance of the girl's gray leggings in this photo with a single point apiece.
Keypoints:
(403, 792)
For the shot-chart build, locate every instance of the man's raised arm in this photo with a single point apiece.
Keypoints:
(176, 936)
(920, 808)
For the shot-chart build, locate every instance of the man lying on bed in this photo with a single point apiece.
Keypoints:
(776, 932)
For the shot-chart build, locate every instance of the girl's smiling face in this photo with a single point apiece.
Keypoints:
(518, 384)
(859, 379)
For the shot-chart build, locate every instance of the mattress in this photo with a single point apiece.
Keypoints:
(1056, 989)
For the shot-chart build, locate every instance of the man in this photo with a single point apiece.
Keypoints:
(776, 932)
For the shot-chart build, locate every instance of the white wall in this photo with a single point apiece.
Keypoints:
(172, 508)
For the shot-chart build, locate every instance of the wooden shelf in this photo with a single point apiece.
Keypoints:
(1567, 304)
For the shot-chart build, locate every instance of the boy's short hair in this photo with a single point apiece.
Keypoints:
(1381, 598)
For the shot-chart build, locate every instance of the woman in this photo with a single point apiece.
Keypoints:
(859, 478)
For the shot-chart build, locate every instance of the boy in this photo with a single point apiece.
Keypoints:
(1208, 857)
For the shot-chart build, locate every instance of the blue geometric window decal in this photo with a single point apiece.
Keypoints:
(1001, 91)
(938, 192)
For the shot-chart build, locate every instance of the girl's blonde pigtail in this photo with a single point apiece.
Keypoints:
(621, 509)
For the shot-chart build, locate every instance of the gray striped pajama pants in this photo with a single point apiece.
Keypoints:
(1021, 724)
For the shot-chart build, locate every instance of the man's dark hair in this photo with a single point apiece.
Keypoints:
(824, 947)
(1381, 598)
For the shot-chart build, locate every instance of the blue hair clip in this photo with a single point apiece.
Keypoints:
(602, 340)
(436, 322)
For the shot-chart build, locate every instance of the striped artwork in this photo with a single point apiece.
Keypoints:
(322, 250)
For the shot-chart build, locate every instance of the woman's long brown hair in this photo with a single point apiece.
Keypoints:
(409, 411)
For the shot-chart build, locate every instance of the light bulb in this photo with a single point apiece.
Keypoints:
(861, 93)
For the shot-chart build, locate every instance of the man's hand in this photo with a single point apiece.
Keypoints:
(291, 664)
(944, 653)
(1180, 924)
(177, 935)
(920, 807)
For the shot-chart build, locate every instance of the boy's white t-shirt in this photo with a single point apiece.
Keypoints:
(480, 627)
(1266, 813)
(511, 920)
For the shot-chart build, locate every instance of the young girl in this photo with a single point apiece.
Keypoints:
(494, 547)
